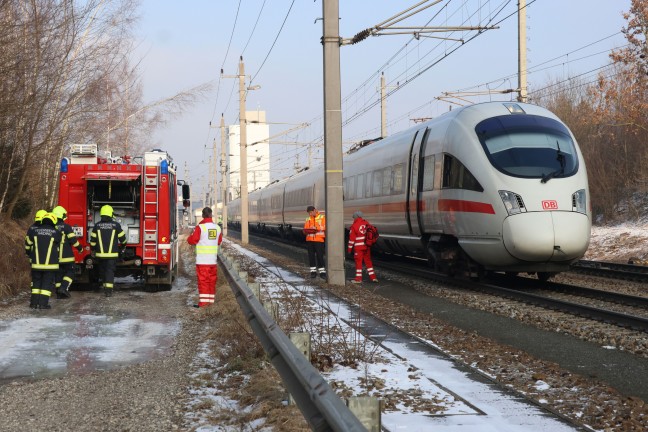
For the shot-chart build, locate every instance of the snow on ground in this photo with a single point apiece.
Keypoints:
(433, 393)
(619, 243)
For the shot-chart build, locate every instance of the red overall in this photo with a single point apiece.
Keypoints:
(362, 252)
(207, 236)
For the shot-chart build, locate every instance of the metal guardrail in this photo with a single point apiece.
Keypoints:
(321, 407)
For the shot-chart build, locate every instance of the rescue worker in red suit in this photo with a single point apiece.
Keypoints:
(315, 232)
(362, 252)
(207, 236)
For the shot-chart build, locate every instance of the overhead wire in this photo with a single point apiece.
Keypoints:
(274, 42)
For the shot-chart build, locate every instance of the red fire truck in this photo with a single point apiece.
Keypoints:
(143, 192)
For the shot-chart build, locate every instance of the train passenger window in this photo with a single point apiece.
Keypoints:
(360, 186)
(351, 188)
(428, 173)
(368, 185)
(377, 183)
(397, 187)
(456, 176)
(387, 181)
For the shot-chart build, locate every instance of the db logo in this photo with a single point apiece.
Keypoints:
(549, 205)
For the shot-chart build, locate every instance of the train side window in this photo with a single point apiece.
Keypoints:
(351, 188)
(456, 176)
(397, 186)
(377, 183)
(360, 186)
(428, 173)
(368, 185)
(387, 181)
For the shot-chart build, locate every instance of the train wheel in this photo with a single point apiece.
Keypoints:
(545, 276)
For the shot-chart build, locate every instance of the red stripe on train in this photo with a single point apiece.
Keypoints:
(465, 206)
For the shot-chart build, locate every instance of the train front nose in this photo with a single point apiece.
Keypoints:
(547, 236)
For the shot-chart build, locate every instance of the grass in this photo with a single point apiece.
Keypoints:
(14, 266)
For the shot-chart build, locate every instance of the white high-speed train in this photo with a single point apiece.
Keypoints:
(497, 186)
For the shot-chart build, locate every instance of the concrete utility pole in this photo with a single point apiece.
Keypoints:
(223, 165)
(522, 60)
(245, 238)
(331, 42)
(214, 186)
(383, 106)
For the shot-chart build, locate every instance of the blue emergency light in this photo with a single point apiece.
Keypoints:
(64, 165)
(164, 167)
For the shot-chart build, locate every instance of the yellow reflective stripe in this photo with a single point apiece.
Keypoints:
(66, 260)
(101, 248)
(36, 248)
(107, 254)
(206, 249)
(112, 240)
(45, 266)
(35, 291)
(49, 250)
(46, 293)
(68, 279)
(70, 235)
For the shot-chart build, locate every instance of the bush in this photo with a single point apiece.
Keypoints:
(14, 266)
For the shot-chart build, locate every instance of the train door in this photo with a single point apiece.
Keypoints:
(414, 183)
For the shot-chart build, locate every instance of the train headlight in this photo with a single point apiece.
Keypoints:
(513, 202)
(579, 201)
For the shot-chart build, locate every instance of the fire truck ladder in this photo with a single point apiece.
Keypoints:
(150, 213)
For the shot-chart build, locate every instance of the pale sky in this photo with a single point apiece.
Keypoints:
(184, 44)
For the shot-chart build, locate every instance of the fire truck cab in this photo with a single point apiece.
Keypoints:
(143, 192)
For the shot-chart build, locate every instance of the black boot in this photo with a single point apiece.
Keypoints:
(33, 301)
(44, 302)
(108, 292)
(62, 293)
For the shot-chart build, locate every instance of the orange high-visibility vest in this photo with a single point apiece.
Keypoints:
(319, 224)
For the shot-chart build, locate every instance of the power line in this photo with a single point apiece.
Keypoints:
(274, 42)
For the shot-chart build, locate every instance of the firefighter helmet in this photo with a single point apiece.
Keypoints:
(50, 216)
(39, 215)
(60, 212)
(106, 211)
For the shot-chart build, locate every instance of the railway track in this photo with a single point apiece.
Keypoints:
(630, 272)
(618, 309)
(543, 294)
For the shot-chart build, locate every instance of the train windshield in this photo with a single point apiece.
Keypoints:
(528, 146)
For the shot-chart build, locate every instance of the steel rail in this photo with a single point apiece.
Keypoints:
(635, 273)
(607, 316)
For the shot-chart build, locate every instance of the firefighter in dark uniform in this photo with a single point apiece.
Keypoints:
(106, 241)
(43, 242)
(38, 218)
(66, 255)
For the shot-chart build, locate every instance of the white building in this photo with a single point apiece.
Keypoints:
(258, 154)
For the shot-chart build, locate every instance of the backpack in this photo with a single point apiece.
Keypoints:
(371, 235)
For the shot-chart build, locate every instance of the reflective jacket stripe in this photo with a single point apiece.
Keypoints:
(49, 251)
